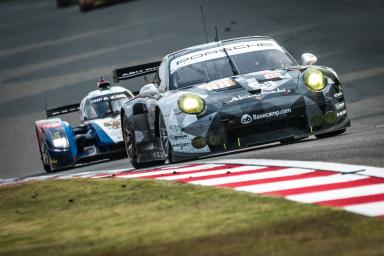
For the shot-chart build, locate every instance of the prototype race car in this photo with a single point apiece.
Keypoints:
(226, 95)
(99, 135)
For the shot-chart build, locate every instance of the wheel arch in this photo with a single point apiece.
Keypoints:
(156, 124)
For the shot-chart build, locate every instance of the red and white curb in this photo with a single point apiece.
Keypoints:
(358, 189)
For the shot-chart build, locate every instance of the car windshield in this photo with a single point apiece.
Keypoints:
(105, 106)
(217, 68)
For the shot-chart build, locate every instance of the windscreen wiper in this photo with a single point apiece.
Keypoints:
(235, 70)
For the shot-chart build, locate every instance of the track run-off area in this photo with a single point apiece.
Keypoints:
(56, 56)
(357, 189)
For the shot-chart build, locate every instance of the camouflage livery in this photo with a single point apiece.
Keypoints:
(240, 110)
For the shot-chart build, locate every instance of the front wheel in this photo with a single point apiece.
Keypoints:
(330, 134)
(130, 145)
(45, 159)
(164, 140)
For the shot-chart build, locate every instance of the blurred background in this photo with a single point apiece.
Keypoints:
(55, 52)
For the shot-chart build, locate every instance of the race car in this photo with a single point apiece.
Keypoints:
(62, 146)
(227, 95)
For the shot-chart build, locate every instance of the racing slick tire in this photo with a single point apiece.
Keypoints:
(45, 160)
(164, 140)
(130, 145)
(330, 134)
(46, 166)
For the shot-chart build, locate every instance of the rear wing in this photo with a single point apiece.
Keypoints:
(61, 110)
(134, 71)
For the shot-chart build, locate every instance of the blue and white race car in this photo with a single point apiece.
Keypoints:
(99, 135)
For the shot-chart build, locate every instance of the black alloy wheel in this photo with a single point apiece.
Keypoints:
(129, 143)
(164, 140)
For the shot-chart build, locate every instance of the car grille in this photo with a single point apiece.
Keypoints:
(259, 128)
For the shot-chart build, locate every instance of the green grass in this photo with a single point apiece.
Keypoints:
(144, 217)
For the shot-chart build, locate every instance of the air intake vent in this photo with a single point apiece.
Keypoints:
(256, 91)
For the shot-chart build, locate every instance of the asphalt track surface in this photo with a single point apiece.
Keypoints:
(56, 56)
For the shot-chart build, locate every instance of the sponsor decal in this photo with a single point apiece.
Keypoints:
(176, 127)
(247, 96)
(114, 124)
(108, 97)
(141, 71)
(218, 52)
(268, 85)
(219, 84)
(241, 97)
(253, 83)
(274, 91)
(247, 118)
(338, 95)
(178, 137)
(272, 75)
(181, 145)
(342, 113)
(339, 105)
(112, 129)
(272, 114)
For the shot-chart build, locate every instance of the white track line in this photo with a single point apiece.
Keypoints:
(207, 173)
(300, 183)
(338, 193)
(169, 171)
(255, 176)
(369, 209)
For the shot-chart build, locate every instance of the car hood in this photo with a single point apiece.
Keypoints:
(260, 85)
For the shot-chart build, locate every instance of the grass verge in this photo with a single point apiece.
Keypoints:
(144, 217)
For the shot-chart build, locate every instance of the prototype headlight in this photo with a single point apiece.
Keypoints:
(60, 142)
(314, 79)
(191, 103)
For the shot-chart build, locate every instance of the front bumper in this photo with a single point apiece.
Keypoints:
(61, 159)
(102, 152)
(241, 126)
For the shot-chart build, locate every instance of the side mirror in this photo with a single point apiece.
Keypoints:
(149, 89)
(308, 59)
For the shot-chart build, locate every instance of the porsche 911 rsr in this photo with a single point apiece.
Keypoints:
(99, 135)
(228, 95)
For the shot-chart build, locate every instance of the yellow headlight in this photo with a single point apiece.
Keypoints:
(314, 79)
(191, 103)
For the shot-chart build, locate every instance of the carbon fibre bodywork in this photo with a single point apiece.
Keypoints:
(240, 110)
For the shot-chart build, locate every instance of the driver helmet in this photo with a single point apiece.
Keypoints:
(103, 84)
